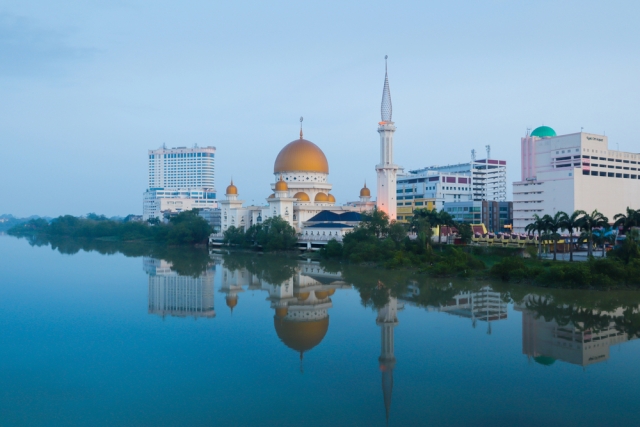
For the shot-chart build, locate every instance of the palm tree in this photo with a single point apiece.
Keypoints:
(590, 221)
(553, 225)
(602, 236)
(631, 219)
(571, 223)
(538, 225)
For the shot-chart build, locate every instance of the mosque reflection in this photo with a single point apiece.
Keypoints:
(299, 292)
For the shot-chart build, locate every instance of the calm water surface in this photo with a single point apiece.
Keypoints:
(175, 338)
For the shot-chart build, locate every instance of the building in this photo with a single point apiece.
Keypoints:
(213, 217)
(430, 190)
(434, 186)
(301, 190)
(494, 215)
(175, 295)
(573, 172)
(180, 179)
(386, 170)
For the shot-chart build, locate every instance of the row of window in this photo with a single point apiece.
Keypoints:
(180, 155)
(611, 174)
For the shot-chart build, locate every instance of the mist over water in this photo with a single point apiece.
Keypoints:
(132, 335)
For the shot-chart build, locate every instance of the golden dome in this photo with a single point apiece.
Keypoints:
(272, 196)
(281, 311)
(331, 199)
(322, 294)
(281, 185)
(232, 189)
(231, 301)
(365, 192)
(301, 196)
(301, 156)
(321, 197)
(332, 291)
(303, 296)
(301, 336)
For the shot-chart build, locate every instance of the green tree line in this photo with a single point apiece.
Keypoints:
(185, 228)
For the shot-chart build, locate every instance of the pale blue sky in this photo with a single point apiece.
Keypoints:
(87, 89)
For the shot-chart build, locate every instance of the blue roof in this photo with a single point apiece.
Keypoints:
(328, 216)
(330, 225)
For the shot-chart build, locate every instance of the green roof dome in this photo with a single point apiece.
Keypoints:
(543, 132)
(545, 360)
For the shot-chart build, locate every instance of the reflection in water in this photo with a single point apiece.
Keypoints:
(301, 302)
(387, 320)
(578, 336)
(175, 295)
(483, 305)
(299, 292)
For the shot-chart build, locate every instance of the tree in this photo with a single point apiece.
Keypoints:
(444, 219)
(589, 222)
(553, 224)
(233, 236)
(397, 232)
(465, 232)
(422, 224)
(538, 225)
(571, 223)
(376, 221)
(276, 234)
(602, 237)
(631, 219)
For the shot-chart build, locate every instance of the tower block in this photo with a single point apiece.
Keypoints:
(386, 169)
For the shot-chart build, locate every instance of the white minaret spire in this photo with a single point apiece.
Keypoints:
(386, 169)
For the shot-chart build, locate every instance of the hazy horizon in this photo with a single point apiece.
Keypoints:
(89, 89)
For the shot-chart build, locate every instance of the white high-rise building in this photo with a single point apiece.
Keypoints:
(180, 179)
(386, 169)
(573, 172)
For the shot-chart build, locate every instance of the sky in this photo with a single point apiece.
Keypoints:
(87, 88)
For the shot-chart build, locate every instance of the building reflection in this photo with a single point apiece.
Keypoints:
(181, 296)
(580, 337)
(484, 305)
(301, 305)
(300, 295)
(387, 320)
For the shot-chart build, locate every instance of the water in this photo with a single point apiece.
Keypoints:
(88, 339)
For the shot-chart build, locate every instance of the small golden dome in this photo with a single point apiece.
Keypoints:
(303, 296)
(231, 301)
(281, 311)
(272, 196)
(281, 185)
(321, 197)
(232, 189)
(365, 192)
(301, 196)
(301, 156)
(332, 291)
(322, 294)
(331, 198)
(301, 336)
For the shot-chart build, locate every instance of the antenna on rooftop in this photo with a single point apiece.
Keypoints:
(473, 155)
(488, 147)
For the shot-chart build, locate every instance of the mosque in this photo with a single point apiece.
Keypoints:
(301, 192)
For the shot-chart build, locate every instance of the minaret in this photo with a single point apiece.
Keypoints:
(386, 169)
(387, 320)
